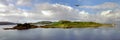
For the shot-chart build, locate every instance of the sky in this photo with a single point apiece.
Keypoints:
(22, 11)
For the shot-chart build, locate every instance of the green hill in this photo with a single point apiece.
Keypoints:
(69, 24)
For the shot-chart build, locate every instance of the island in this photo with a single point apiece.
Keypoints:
(60, 24)
(75, 24)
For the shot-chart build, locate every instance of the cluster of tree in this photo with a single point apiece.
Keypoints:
(24, 26)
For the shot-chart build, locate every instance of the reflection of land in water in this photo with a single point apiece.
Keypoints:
(60, 34)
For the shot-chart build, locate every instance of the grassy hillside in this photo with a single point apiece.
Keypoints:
(59, 24)
(69, 24)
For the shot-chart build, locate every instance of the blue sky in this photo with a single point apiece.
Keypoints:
(36, 10)
(78, 2)
(71, 3)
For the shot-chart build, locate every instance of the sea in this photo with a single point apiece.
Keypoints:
(61, 34)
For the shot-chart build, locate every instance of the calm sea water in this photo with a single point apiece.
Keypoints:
(61, 34)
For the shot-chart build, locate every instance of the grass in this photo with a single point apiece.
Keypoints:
(69, 24)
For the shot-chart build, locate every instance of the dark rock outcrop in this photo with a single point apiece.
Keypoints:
(22, 27)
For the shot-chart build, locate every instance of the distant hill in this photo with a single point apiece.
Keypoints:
(43, 22)
(7, 23)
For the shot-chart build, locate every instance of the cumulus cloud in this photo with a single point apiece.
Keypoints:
(23, 2)
(106, 5)
(44, 11)
(9, 12)
(47, 11)
(108, 12)
(57, 11)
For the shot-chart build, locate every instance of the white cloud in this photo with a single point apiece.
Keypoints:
(106, 13)
(106, 5)
(83, 16)
(83, 13)
(47, 11)
(24, 2)
(58, 11)
(2, 15)
(43, 11)
(111, 13)
(2, 6)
